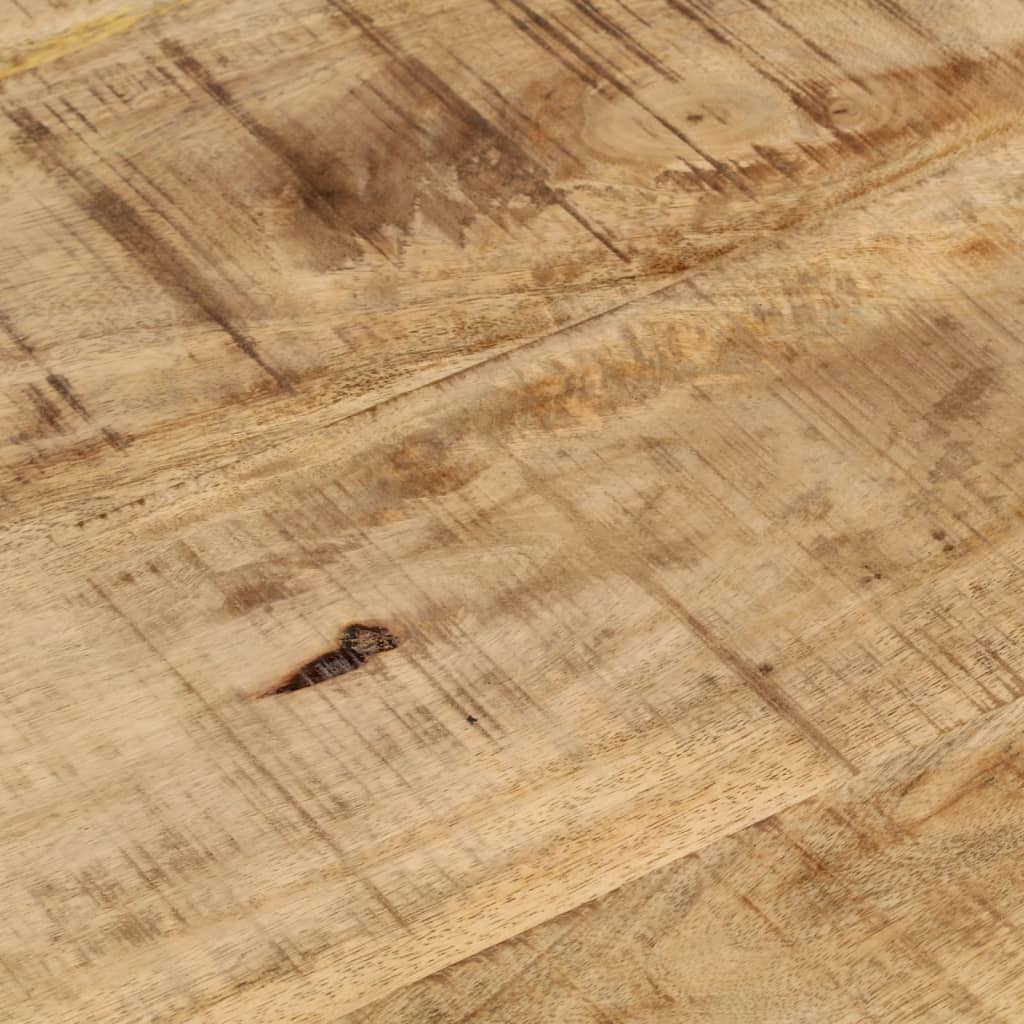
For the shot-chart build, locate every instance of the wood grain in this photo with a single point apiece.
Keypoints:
(894, 897)
(647, 374)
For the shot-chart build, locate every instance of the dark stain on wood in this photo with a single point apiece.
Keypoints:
(251, 594)
(356, 644)
(359, 193)
(962, 401)
(497, 178)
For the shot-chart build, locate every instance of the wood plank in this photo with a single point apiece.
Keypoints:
(612, 563)
(611, 635)
(896, 897)
(231, 222)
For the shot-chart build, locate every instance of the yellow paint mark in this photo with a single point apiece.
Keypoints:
(80, 37)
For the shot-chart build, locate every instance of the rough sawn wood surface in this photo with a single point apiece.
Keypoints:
(511, 511)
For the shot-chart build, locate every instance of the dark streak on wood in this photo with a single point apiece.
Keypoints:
(115, 440)
(48, 412)
(516, 173)
(809, 97)
(316, 194)
(560, 37)
(17, 338)
(117, 217)
(819, 51)
(897, 13)
(607, 25)
(63, 388)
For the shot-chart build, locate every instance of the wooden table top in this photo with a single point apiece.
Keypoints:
(511, 512)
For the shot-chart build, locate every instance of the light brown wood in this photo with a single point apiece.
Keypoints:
(893, 897)
(622, 400)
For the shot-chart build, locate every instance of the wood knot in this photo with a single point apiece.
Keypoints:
(355, 645)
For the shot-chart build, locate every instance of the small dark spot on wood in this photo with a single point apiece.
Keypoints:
(694, 118)
(766, 668)
(356, 644)
(939, 534)
(472, 719)
(948, 547)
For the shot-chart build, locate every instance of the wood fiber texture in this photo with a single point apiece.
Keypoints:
(511, 511)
